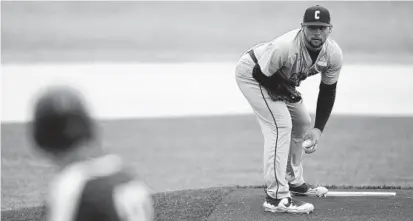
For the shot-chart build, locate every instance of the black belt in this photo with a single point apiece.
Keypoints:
(252, 54)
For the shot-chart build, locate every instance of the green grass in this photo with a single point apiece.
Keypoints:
(201, 152)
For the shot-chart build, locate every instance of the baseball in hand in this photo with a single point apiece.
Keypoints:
(307, 144)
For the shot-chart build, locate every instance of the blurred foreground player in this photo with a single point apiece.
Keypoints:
(90, 184)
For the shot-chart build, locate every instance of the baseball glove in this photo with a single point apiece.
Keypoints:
(279, 87)
(285, 90)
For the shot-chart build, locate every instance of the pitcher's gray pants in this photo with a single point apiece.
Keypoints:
(283, 127)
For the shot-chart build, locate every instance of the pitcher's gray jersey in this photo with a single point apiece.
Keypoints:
(288, 54)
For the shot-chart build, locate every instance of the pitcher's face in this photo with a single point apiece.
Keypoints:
(316, 35)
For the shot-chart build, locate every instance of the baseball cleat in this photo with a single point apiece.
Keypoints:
(287, 205)
(306, 189)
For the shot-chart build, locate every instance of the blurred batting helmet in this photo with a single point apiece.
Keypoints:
(60, 120)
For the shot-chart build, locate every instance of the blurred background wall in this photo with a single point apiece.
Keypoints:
(191, 31)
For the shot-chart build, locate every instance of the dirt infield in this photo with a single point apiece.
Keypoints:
(238, 203)
(246, 204)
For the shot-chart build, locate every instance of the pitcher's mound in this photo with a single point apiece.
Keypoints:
(246, 204)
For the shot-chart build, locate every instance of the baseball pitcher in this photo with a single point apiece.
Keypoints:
(268, 76)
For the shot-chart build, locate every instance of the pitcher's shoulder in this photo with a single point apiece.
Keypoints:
(334, 53)
(288, 38)
(334, 48)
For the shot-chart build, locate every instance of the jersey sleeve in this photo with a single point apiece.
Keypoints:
(331, 75)
(133, 202)
(272, 59)
(64, 195)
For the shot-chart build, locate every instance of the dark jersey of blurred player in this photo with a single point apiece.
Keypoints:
(90, 185)
(101, 189)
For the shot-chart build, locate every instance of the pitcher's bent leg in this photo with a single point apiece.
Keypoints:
(275, 122)
(301, 122)
(276, 149)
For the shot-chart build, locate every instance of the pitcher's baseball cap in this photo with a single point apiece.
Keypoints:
(317, 15)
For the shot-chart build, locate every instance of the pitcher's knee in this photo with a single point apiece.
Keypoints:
(282, 128)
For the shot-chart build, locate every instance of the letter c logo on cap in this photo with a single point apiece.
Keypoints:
(317, 14)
